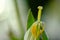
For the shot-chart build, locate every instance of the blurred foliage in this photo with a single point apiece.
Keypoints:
(12, 36)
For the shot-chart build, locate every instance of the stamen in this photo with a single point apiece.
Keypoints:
(39, 12)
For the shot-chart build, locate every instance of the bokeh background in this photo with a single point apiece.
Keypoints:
(14, 14)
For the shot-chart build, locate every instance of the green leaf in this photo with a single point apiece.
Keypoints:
(44, 36)
(30, 19)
